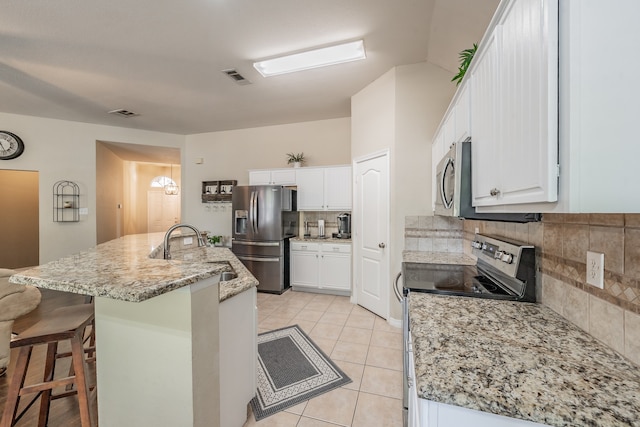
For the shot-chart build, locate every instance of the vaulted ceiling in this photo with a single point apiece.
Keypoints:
(76, 59)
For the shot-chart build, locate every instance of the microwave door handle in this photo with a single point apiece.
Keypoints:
(443, 196)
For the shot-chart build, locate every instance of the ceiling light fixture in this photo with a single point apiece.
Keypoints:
(171, 189)
(322, 57)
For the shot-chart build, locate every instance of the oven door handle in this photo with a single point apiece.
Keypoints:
(396, 290)
(443, 179)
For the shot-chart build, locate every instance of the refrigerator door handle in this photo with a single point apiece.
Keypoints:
(252, 211)
(249, 258)
(257, 211)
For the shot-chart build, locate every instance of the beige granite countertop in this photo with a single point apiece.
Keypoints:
(438, 258)
(319, 240)
(122, 269)
(520, 360)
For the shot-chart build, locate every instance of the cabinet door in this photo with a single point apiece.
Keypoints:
(528, 98)
(449, 130)
(304, 268)
(259, 177)
(283, 176)
(335, 271)
(310, 184)
(463, 113)
(337, 188)
(485, 110)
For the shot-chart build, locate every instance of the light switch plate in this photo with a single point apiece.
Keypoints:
(595, 269)
(83, 211)
(188, 241)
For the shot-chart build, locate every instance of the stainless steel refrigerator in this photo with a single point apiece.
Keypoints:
(264, 218)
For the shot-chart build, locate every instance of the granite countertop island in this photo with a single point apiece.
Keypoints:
(125, 269)
(160, 327)
(519, 360)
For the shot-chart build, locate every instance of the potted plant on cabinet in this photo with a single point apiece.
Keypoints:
(296, 159)
(215, 240)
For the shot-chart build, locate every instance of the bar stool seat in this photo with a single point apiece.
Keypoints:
(67, 323)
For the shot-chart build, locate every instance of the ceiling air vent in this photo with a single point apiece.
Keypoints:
(236, 77)
(124, 113)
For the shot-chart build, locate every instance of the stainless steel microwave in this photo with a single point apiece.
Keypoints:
(453, 188)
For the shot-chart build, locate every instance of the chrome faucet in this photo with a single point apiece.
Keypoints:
(167, 253)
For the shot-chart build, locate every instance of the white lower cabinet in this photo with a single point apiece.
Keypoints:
(238, 331)
(321, 267)
(434, 414)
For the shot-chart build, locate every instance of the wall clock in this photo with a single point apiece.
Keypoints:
(11, 146)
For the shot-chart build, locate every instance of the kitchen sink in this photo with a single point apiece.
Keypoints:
(228, 275)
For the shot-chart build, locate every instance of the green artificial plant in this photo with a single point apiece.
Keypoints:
(465, 59)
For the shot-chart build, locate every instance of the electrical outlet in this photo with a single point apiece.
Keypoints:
(188, 241)
(595, 269)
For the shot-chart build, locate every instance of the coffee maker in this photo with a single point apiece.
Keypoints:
(344, 226)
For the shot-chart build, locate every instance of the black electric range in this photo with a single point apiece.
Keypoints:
(504, 270)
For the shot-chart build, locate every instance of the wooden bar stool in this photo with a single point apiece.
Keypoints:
(67, 323)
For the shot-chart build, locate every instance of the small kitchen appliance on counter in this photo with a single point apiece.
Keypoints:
(344, 226)
(504, 270)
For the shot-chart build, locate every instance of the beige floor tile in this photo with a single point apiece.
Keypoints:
(340, 306)
(355, 335)
(385, 358)
(306, 314)
(384, 382)
(324, 344)
(270, 304)
(336, 406)
(377, 411)
(286, 312)
(318, 305)
(386, 339)
(326, 330)
(360, 321)
(382, 325)
(334, 318)
(310, 422)
(281, 419)
(305, 325)
(273, 322)
(298, 409)
(350, 352)
(361, 311)
(324, 297)
(353, 371)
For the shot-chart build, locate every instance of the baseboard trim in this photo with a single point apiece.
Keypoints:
(396, 323)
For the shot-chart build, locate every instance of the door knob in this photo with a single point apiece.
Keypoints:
(381, 245)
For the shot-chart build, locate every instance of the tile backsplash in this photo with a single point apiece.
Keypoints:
(612, 314)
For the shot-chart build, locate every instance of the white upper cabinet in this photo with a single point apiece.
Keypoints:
(324, 188)
(597, 109)
(272, 177)
(463, 113)
(338, 188)
(514, 106)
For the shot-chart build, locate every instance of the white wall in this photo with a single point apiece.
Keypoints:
(400, 111)
(64, 150)
(230, 154)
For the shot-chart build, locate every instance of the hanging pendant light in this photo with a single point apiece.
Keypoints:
(171, 189)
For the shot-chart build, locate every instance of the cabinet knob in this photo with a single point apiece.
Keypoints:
(382, 245)
(494, 192)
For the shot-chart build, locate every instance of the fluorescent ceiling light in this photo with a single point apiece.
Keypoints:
(322, 57)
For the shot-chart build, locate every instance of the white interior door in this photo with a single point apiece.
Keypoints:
(371, 220)
(163, 211)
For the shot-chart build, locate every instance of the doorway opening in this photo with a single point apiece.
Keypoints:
(19, 219)
(127, 202)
